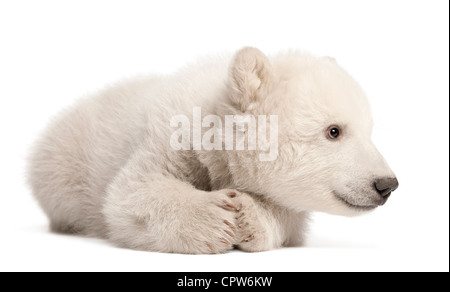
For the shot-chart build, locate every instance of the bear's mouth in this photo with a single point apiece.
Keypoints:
(353, 206)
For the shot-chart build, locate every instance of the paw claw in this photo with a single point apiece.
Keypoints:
(239, 216)
(223, 240)
(229, 224)
(229, 205)
(229, 233)
(250, 238)
(242, 225)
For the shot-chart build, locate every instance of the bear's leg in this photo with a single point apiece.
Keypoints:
(160, 213)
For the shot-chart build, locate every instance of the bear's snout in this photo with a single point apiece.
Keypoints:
(385, 186)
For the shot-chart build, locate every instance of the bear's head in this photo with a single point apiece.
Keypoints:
(326, 160)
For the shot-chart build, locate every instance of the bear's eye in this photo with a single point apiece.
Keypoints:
(333, 132)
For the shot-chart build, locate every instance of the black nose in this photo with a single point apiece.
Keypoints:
(386, 185)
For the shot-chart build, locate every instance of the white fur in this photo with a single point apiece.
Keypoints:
(105, 168)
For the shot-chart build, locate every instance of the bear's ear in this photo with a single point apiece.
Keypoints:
(250, 75)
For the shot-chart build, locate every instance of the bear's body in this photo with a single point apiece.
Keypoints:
(106, 167)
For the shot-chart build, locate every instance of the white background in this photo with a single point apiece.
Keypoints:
(52, 52)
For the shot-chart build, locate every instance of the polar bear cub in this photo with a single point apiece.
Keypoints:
(233, 152)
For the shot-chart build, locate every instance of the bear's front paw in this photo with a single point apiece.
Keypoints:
(253, 229)
(216, 223)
